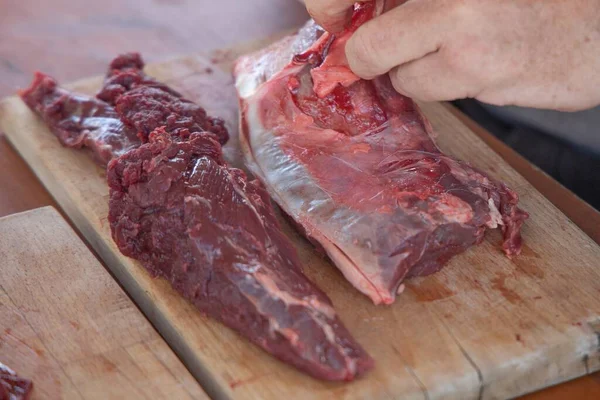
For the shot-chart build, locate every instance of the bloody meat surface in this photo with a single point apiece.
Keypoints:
(144, 104)
(126, 72)
(128, 107)
(189, 218)
(12, 387)
(354, 164)
(79, 121)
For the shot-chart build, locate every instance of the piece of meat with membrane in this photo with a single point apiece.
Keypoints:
(79, 121)
(354, 164)
(212, 233)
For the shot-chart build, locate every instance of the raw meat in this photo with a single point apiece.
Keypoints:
(145, 104)
(129, 107)
(189, 218)
(354, 164)
(79, 121)
(12, 387)
(126, 72)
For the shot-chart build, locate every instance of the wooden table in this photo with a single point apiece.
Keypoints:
(72, 39)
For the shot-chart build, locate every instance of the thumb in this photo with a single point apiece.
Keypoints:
(403, 34)
(332, 15)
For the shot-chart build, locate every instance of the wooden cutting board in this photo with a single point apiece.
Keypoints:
(484, 327)
(68, 326)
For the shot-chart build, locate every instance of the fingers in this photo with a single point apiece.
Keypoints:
(433, 78)
(332, 15)
(403, 34)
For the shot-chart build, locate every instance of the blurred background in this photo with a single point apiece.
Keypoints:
(71, 39)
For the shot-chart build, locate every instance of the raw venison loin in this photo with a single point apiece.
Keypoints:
(79, 121)
(129, 106)
(145, 104)
(12, 387)
(125, 73)
(189, 218)
(354, 164)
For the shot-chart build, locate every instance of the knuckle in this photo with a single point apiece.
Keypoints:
(454, 58)
(460, 10)
(467, 56)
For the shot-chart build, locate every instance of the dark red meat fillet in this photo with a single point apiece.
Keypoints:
(129, 107)
(12, 387)
(126, 72)
(79, 121)
(146, 108)
(354, 164)
(189, 218)
(145, 104)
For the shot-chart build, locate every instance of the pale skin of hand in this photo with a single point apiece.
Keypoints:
(530, 53)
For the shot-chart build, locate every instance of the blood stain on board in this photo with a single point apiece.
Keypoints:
(109, 366)
(519, 338)
(527, 251)
(430, 290)
(531, 269)
(237, 383)
(499, 284)
(527, 262)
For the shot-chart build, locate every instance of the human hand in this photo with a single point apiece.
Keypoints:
(532, 53)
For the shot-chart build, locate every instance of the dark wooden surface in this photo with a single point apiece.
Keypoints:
(72, 39)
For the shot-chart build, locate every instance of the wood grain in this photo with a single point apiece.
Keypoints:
(61, 38)
(483, 327)
(68, 326)
(20, 190)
